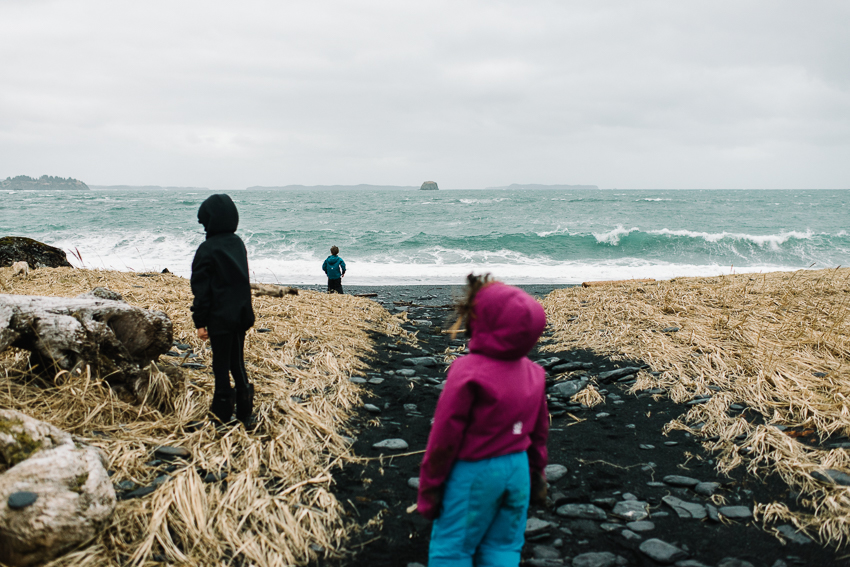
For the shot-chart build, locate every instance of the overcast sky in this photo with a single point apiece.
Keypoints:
(667, 94)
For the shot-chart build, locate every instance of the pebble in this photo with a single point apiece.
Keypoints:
(676, 480)
(671, 443)
(534, 526)
(410, 407)
(630, 426)
(606, 502)
(629, 496)
(661, 551)
(712, 513)
(831, 476)
(656, 484)
(632, 510)
(734, 562)
(569, 388)
(371, 408)
(630, 535)
(706, 488)
(357, 380)
(618, 373)
(602, 415)
(394, 444)
(735, 512)
(407, 372)
(567, 367)
(641, 526)
(791, 534)
(670, 330)
(545, 552)
(685, 509)
(582, 511)
(422, 322)
(554, 473)
(646, 447)
(22, 499)
(167, 453)
(125, 485)
(598, 559)
(376, 381)
(413, 482)
(426, 361)
(690, 563)
(609, 527)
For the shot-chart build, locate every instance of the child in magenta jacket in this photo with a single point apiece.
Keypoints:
(487, 448)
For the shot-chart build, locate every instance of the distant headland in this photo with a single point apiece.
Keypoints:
(45, 182)
(361, 187)
(146, 188)
(536, 186)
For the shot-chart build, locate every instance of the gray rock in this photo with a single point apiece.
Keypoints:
(582, 511)
(676, 480)
(630, 535)
(415, 565)
(406, 372)
(713, 515)
(735, 512)
(357, 380)
(831, 476)
(371, 408)
(554, 473)
(630, 426)
(706, 488)
(629, 496)
(618, 373)
(376, 381)
(779, 563)
(661, 551)
(426, 361)
(422, 322)
(410, 407)
(685, 509)
(656, 484)
(22, 499)
(632, 510)
(610, 527)
(690, 563)
(548, 363)
(597, 559)
(646, 446)
(734, 562)
(533, 562)
(167, 453)
(413, 482)
(393, 444)
(75, 495)
(641, 526)
(602, 415)
(567, 367)
(670, 330)
(534, 526)
(569, 388)
(791, 534)
(545, 552)
(606, 502)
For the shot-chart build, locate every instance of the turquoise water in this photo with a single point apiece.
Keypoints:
(397, 237)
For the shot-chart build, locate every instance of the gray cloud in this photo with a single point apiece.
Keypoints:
(650, 94)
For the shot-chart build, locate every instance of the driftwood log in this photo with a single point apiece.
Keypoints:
(273, 290)
(116, 339)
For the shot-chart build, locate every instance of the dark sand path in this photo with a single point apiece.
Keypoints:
(613, 453)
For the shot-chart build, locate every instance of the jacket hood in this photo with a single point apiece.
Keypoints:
(333, 260)
(505, 323)
(218, 214)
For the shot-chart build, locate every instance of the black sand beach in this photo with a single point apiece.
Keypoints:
(613, 452)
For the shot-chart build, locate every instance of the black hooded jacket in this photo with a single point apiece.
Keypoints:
(220, 271)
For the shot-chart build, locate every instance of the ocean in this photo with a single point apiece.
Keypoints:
(437, 237)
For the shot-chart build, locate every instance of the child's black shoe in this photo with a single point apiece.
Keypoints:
(222, 406)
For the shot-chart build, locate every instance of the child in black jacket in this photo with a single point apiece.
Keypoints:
(222, 309)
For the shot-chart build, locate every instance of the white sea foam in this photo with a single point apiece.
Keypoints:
(773, 241)
(649, 199)
(612, 237)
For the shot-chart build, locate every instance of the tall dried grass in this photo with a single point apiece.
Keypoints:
(275, 507)
(778, 343)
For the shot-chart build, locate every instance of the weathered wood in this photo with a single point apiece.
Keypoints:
(65, 333)
(273, 290)
(616, 282)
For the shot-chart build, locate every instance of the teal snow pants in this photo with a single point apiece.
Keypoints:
(482, 522)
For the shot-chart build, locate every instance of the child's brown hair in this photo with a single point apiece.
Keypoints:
(334, 250)
(464, 306)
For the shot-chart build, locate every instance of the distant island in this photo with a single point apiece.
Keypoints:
(538, 186)
(45, 182)
(360, 187)
(145, 188)
(429, 186)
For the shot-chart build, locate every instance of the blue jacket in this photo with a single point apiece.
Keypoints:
(334, 267)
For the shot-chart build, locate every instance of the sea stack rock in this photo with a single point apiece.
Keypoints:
(429, 186)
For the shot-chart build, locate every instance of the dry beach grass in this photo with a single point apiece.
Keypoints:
(777, 343)
(275, 507)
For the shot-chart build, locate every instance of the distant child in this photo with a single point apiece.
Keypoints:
(487, 448)
(334, 267)
(222, 309)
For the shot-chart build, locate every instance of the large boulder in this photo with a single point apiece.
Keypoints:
(429, 186)
(36, 254)
(54, 494)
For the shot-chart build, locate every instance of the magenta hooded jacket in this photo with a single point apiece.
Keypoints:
(494, 400)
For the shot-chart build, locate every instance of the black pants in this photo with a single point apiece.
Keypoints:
(228, 358)
(335, 286)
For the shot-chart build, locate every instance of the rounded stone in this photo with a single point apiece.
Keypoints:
(394, 444)
(554, 473)
(20, 500)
